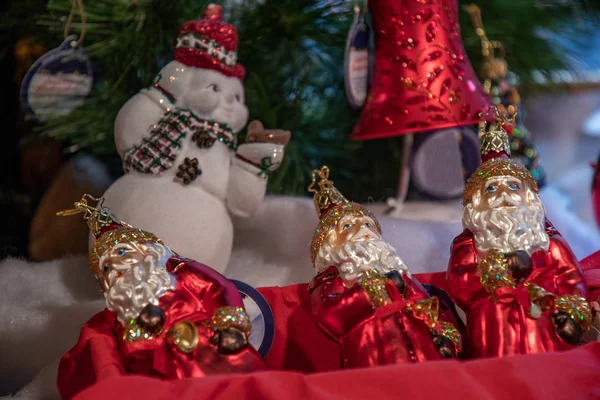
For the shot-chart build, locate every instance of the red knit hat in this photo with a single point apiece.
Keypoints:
(209, 43)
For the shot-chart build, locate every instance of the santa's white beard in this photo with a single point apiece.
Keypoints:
(357, 256)
(141, 285)
(509, 229)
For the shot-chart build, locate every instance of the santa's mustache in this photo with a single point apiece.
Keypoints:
(508, 229)
(506, 199)
(141, 285)
(360, 235)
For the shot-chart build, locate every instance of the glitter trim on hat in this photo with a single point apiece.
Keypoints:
(497, 167)
(111, 238)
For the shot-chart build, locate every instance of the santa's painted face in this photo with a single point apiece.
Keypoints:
(133, 276)
(353, 228)
(502, 192)
(507, 215)
(354, 246)
(212, 95)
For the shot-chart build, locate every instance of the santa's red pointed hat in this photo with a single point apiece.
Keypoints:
(107, 229)
(331, 206)
(495, 154)
(209, 43)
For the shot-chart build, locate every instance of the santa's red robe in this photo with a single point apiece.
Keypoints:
(503, 328)
(101, 350)
(370, 336)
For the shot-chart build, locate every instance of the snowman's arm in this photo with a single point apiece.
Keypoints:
(247, 187)
(136, 118)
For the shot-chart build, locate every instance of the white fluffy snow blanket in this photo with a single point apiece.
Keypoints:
(43, 305)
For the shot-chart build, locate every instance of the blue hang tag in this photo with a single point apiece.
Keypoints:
(261, 317)
(356, 60)
(58, 82)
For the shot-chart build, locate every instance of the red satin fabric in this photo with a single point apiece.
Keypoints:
(572, 375)
(101, 350)
(95, 363)
(367, 336)
(504, 328)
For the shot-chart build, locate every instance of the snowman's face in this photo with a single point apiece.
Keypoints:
(212, 95)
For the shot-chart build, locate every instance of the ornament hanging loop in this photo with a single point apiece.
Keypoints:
(323, 173)
(96, 216)
(76, 5)
(499, 116)
(494, 66)
(326, 194)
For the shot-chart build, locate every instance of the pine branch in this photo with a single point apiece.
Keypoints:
(293, 54)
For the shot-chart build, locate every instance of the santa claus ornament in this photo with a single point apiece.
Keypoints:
(166, 316)
(184, 170)
(363, 296)
(511, 272)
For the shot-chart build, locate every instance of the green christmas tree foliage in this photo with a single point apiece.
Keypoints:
(293, 54)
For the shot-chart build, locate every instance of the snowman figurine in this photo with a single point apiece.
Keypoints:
(184, 171)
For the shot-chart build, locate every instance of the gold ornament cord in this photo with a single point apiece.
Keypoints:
(75, 5)
(487, 46)
(500, 117)
(427, 310)
(96, 216)
(450, 332)
(327, 193)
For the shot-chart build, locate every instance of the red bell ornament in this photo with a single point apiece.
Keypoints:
(422, 78)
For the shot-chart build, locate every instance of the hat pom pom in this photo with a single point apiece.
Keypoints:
(213, 12)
